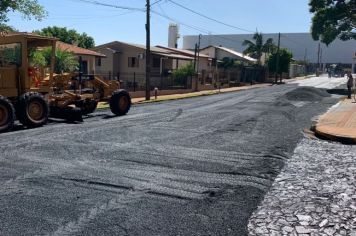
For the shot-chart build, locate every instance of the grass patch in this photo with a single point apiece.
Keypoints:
(102, 105)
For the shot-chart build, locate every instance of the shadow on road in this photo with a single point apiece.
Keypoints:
(337, 91)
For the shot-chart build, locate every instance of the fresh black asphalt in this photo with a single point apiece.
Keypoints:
(196, 166)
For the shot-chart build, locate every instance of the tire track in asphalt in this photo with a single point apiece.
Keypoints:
(86, 217)
(161, 180)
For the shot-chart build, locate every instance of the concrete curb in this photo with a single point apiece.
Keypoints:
(192, 95)
(203, 93)
(334, 137)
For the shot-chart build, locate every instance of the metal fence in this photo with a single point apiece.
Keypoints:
(137, 81)
(231, 77)
(242, 75)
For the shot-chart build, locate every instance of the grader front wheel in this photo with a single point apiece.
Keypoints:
(32, 110)
(7, 115)
(120, 102)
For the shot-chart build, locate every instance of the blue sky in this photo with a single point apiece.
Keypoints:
(107, 24)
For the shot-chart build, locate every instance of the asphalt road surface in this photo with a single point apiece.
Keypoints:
(197, 166)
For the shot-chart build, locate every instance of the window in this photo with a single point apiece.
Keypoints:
(133, 62)
(10, 54)
(156, 62)
(98, 61)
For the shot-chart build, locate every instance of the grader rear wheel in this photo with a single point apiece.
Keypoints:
(120, 102)
(32, 110)
(7, 115)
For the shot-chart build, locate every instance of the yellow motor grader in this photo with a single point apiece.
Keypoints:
(31, 94)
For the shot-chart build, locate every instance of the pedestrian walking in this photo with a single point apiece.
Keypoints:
(329, 72)
(350, 84)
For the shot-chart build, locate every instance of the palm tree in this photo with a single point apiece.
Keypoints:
(257, 48)
(65, 61)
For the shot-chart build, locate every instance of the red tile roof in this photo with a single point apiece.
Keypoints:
(78, 50)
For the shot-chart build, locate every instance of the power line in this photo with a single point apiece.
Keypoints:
(293, 41)
(88, 17)
(201, 30)
(113, 6)
(210, 18)
(156, 2)
(181, 23)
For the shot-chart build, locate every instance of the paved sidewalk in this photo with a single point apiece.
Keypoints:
(200, 93)
(140, 100)
(315, 194)
(339, 123)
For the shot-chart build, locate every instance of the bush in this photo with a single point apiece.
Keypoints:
(180, 75)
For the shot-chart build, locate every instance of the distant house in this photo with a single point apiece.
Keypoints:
(219, 53)
(206, 65)
(127, 62)
(237, 75)
(204, 61)
(89, 57)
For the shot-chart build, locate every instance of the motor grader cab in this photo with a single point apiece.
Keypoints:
(29, 93)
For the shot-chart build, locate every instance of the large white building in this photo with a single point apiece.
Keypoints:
(300, 44)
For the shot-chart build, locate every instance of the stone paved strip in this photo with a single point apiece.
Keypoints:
(315, 194)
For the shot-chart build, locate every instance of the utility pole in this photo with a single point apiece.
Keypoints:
(321, 60)
(317, 70)
(198, 52)
(195, 57)
(305, 61)
(196, 68)
(277, 59)
(148, 50)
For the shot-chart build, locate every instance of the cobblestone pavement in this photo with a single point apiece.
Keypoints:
(315, 194)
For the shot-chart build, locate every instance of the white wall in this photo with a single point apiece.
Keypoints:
(337, 52)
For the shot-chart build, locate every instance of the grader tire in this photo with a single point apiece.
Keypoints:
(7, 115)
(90, 107)
(120, 102)
(32, 110)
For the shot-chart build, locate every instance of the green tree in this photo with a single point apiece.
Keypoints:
(68, 36)
(65, 61)
(28, 8)
(333, 19)
(285, 58)
(11, 55)
(6, 28)
(258, 47)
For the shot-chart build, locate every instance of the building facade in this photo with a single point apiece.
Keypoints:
(127, 62)
(301, 45)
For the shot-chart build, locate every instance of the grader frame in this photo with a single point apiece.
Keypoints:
(32, 94)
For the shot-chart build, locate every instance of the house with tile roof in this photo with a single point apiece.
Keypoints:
(127, 62)
(205, 61)
(206, 65)
(88, 57)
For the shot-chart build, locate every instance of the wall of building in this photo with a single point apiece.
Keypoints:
(301, 44)
(106, 62)
(209, 51)
(91, 63)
